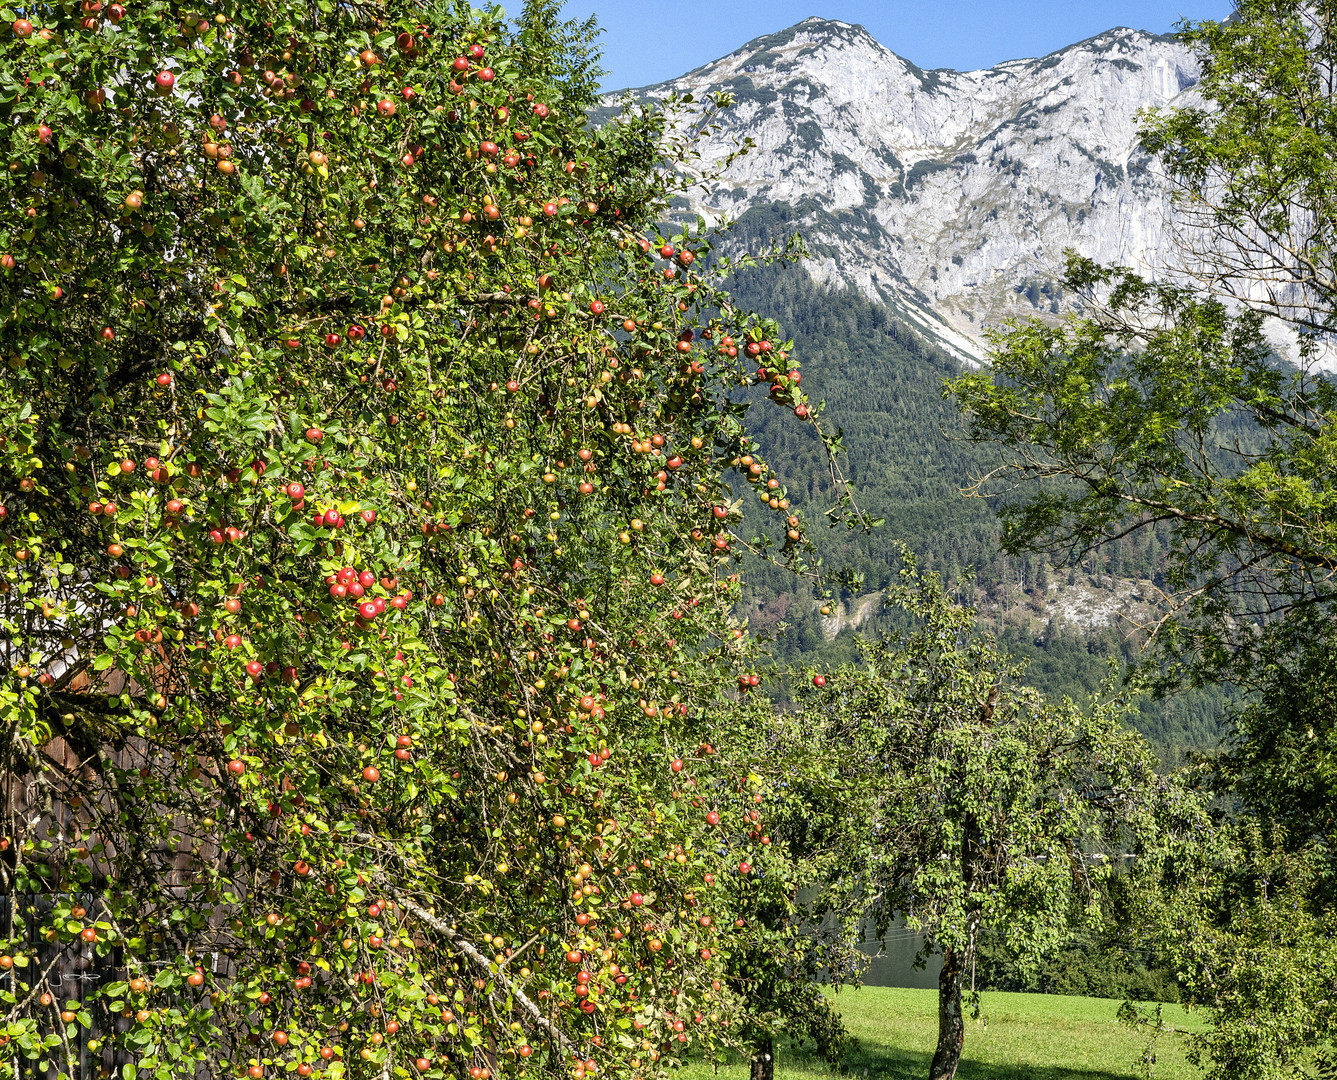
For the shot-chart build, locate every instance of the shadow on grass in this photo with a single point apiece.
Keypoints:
(880, 1062)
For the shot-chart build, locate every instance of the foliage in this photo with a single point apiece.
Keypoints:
(797, 920)
(366, 554)
(991, 809)
(1091, 965)
(1252, 167)
(1239, 921)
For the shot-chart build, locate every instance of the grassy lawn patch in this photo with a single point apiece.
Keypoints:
(1018, 1037)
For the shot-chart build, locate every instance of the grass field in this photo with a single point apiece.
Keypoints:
(1019, 1037)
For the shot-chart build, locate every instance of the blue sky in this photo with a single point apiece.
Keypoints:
(648, 41)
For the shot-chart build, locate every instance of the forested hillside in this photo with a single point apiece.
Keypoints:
(909, 464)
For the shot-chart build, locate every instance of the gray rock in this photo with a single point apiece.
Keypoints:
(950, 195)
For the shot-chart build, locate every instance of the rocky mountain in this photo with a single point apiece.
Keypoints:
(949, 195)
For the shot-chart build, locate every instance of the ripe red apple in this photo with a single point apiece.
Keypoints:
(164, 379)
(371, 774)
(676, 765)
(236, 767)
(163, 83)
(22, 28)
(356, 332)
(819, 680)
(712, 818)
(369, 516)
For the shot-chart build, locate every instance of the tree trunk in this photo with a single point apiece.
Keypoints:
(951, 1022)
(763, 1060)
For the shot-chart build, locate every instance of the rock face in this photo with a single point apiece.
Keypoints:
(950, 195)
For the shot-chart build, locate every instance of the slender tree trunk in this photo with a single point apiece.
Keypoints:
(951, 1022)
(763, 1060)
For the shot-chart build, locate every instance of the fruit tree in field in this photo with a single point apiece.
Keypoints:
(364, 550)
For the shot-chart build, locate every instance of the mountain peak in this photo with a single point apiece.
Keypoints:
(950, 195)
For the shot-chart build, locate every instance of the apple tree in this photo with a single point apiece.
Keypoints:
(364, 549)
(977, 804)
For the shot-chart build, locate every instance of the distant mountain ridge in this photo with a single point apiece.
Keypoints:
(949, 195)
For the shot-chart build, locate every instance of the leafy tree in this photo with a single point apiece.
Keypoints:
(1163, 406)
(365, 549)
(989, 809)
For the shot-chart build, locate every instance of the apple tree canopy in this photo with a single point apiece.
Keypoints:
(365, 549)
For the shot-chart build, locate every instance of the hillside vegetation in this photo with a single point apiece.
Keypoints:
(908, 463)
